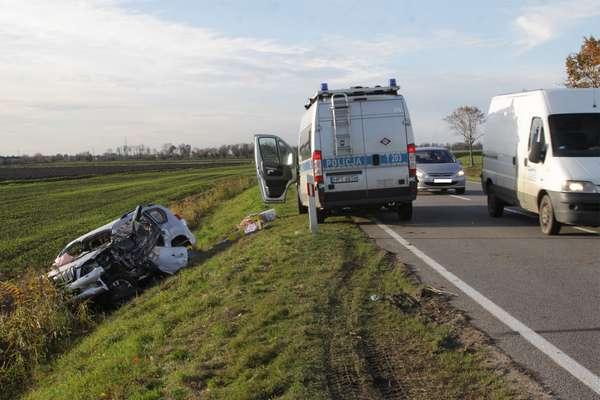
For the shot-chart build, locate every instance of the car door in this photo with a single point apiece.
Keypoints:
(276, 167)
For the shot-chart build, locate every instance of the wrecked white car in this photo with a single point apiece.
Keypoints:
(115, 259)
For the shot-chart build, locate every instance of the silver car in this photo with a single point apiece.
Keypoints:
(439, 170)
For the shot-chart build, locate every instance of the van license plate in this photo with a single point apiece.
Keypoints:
(344, 179)
(437, 180)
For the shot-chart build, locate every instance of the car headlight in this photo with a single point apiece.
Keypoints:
(579, 187)
(460, 173)
(419, 174)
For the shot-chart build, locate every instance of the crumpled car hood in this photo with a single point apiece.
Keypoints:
(65, 272)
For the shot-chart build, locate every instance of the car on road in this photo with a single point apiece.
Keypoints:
(541, 152)
(114, 259)
(356, 144)
(439, 170)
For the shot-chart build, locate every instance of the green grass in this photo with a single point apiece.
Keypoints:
(39, 218)
(472, 172)
(279, 314)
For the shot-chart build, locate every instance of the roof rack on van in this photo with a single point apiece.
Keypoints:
(354, 91)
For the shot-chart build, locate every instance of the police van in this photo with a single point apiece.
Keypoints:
(356, 143)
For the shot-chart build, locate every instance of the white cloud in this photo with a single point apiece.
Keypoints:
(86, 74)
(542, 22)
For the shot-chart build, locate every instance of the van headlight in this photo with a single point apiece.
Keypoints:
(419, 173)
(460, 173)
(579, 187)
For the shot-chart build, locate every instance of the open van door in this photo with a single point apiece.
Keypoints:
(276, 167)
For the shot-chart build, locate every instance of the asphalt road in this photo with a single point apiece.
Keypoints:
(549, 284)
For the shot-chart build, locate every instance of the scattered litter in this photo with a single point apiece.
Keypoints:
(255, 222)
(374, 297)
(428, 291)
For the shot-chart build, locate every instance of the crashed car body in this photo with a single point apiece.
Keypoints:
(116, 257)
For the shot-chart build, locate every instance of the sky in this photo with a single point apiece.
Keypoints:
(90, 75)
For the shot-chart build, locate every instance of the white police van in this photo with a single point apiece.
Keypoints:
(357, 143)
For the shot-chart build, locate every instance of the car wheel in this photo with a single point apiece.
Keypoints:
(121, 289)
(548, 223)
(494, 204)
(180, 241)
(460, 191)
(405, 211)
(302, 209)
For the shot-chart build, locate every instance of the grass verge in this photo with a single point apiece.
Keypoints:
(38, 321)
(473, 172)
(278, 314)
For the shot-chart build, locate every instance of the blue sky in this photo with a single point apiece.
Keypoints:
(88, 75)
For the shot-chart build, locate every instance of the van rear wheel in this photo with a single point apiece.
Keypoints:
(494, 204)
(548, 222)
(321, 215)
(302, 209)
(405, 211)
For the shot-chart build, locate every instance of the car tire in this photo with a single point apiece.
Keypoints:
(460, 191)
(121, 289)
(548, 223)
(495, 206)
(405, 211)
(302, 209)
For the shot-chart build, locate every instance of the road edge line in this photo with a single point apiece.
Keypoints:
(577, 370)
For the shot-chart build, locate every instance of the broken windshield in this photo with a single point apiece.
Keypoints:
(575, 135)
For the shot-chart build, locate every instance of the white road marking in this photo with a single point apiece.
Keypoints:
(579, 228)
(460, 197)
(557, 355)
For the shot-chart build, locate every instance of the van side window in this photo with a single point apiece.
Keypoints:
(304, 150)
(536, 134)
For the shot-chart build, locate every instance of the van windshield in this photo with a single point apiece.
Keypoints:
(575, 135)
(435, 156)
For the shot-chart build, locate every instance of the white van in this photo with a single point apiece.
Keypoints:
(541, 151)
(358, 145)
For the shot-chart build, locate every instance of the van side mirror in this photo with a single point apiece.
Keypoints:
(537, 152)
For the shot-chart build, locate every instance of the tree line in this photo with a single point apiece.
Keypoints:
(167, 151)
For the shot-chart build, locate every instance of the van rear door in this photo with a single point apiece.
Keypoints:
(344, 170)
(385, 137)
(276, 167)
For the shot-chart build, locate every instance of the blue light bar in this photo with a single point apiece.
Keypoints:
(324, 87)
(393, 82)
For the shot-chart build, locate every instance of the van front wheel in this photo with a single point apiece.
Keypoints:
(548, 223)
(405, 211)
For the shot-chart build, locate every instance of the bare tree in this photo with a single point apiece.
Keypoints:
(583, 68)
(465, 121)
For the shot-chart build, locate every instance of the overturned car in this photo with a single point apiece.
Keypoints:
(114, 260)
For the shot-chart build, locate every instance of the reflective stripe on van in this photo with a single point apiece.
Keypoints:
(387, 159)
